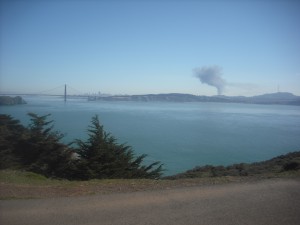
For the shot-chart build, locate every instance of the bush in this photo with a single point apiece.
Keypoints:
(291, 166)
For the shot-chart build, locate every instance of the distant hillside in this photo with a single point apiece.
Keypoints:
(283, 98)
(277, 98)
(278, 95)
(7, 100)
(279, 164)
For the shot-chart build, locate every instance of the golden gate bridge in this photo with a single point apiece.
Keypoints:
(62, 90)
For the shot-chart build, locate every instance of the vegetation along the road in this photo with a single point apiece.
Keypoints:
(35, 163)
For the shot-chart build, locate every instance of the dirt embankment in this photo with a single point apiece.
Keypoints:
(83, 188)
(25, 189)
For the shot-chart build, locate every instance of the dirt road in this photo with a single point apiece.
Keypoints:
(273, 202)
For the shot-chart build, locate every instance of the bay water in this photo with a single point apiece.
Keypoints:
(180, 135)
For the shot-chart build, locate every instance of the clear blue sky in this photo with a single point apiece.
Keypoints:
(139, 47)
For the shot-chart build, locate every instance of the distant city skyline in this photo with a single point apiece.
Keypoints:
(142, 47)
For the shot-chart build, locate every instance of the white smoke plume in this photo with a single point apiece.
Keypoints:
(211, 75)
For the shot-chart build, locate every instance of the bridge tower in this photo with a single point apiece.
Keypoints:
(65, 95)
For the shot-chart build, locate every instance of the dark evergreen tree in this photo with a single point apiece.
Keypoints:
(11, 132)
(41, 150)
(37, 148)
(102, 157)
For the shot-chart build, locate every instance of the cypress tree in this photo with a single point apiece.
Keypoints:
(11, 133)
(41, 150)
(102, 157)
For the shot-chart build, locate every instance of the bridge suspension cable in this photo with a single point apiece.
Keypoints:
(50, 90)
(78, 92)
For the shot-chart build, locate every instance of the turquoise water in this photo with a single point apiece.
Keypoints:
(180, 135)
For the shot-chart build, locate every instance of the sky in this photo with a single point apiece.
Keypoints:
(143, 47)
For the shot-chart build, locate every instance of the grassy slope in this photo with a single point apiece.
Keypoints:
(283, 164)
(20, 184)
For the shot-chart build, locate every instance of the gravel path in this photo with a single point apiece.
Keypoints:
(275, 201)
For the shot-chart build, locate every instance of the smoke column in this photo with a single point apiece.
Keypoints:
(212, 76)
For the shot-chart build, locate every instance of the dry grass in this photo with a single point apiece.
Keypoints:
(18, 184)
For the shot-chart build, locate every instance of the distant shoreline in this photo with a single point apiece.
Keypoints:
(280, 98)
(8, 100)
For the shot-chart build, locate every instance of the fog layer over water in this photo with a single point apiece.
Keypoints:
(180, 135)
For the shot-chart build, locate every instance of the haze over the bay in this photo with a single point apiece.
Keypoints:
(140, 47)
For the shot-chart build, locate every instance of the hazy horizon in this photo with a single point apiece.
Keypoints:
(56, 93)
(214, 47)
